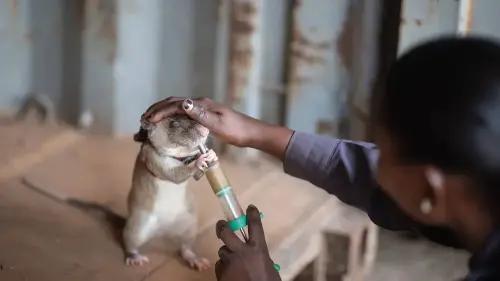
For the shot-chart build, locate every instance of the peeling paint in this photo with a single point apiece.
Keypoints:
(107, 11)
(241, 55)
(425, 19)
(465, 16)
(430, 14)
(101, 15)
(346, 38)
(317, 71)
(304, 50)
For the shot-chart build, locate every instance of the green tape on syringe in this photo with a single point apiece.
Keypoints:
(223, 192)
(240, 222)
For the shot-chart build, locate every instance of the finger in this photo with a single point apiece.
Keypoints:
(255, 228)
(224, 253)
(218, 269)
(203, 111)
(166, 111)
(157, 106)
(227, 236)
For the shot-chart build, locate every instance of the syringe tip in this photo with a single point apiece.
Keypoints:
(202, 148)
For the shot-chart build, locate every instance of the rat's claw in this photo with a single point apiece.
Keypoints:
(204, 159)
(210, 156)
(201, 163)
(136, 260)
(195, 262)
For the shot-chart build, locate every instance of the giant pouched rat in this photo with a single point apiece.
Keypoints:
(159, 201)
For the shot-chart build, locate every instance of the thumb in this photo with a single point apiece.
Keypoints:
(201, 113)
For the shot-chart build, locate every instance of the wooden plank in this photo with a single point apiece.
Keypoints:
(19, 138)
(18, 165)
(48, 241)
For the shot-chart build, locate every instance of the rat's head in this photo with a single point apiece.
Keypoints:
(176, 134)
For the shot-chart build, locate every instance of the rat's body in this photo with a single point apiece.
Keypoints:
(159, 202)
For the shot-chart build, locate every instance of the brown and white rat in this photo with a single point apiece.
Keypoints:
(159, 202)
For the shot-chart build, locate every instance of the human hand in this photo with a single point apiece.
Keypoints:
(224, 123)
(245, 261)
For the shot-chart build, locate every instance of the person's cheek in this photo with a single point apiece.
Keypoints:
(404, 187)
(383, 173)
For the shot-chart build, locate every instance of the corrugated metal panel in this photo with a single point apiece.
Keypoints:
(98, 52)
(318, 79)
(366, 19)
(274, 51)
(137, 61)
(15, 52)
(46, 38)
(485, 18)
(425, 19)
(177, 45)
(245, 56)
(465, 16)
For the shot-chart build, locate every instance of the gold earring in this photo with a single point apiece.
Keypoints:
(426, 206)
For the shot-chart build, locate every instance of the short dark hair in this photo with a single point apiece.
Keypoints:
(442, 104)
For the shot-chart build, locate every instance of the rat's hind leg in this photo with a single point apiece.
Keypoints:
(186, 251)
(140, 227)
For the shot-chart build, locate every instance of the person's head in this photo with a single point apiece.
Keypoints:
(438, 130)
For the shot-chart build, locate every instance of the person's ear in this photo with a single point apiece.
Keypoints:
(433, 205)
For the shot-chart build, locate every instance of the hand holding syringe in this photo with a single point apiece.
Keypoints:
(237, 219)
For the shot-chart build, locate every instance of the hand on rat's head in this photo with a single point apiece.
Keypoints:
(226, 124)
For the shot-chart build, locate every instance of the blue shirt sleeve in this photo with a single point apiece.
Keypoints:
(347, 169)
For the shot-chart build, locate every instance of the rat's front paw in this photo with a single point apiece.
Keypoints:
(204, 159)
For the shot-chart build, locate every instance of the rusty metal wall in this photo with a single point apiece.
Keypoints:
(320, 74)
(365, 46)
(245, 56)
(99, 40)
(485, 19)
(275, 50)
(425, 19)
(137, 61)
(306, 64)
(15, 51)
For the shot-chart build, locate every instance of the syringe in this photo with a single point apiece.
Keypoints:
(236, 218)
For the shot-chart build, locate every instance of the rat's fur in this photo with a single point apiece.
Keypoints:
(160, 204)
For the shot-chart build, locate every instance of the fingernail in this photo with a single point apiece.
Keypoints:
(188, 105)
(221, 228)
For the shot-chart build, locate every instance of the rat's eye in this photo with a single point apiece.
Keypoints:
(174, 124)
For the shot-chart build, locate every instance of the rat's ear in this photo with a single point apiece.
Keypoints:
(141, 136)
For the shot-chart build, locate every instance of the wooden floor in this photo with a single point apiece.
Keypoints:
(43, 239)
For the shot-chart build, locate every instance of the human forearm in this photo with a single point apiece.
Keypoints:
(270, 139)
